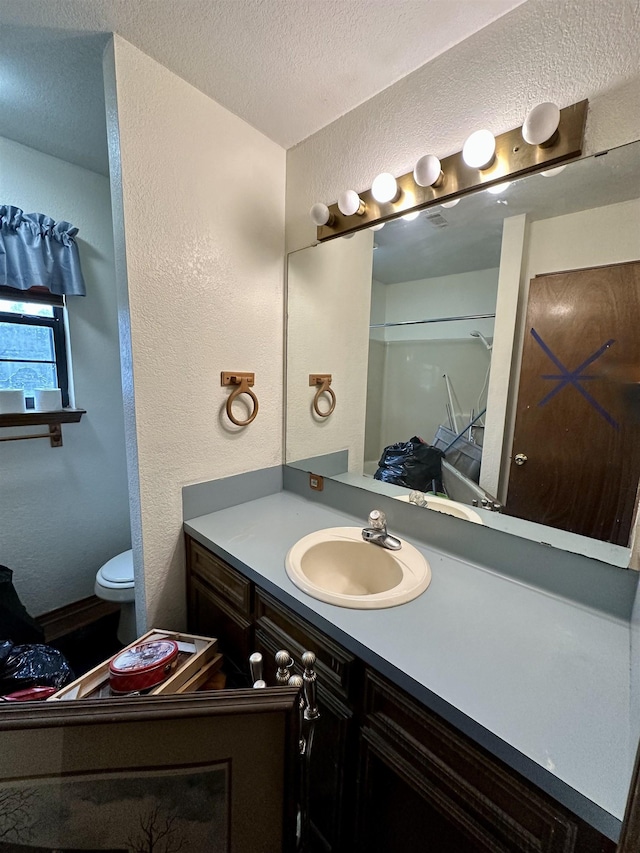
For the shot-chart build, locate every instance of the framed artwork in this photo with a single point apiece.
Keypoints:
(202, 772)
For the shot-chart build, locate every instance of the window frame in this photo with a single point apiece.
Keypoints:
(55, 323)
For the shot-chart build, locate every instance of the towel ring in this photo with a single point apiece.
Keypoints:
(323, 380)
(242, 381)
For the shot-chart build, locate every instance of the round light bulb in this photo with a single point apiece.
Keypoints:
(499, 188)
(409, 217)
(320, 214)
(385, 188)
(549, 173)
(541, 124)
(451, 203)
(377, 227)
(479, 149)
(428, 171)
(350, 203)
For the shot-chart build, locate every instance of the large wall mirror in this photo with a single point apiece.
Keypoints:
(508, 317)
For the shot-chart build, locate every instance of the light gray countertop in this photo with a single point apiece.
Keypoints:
(539, 680)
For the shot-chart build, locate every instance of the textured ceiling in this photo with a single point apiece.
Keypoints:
(287, 67)
(52, 94)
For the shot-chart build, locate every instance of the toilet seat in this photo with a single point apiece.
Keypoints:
(117, 573)
(115, 582)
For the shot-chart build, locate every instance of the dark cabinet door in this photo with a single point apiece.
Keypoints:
(210, 615)
(332, 775)
(220, 605)
(431, 788)
(399, 811)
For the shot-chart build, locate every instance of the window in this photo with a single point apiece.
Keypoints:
(32, 342)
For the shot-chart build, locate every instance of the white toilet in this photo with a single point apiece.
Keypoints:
(114, 582)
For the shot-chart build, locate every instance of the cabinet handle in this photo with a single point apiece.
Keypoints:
(284, 662)
(255, 667)
(310, 679)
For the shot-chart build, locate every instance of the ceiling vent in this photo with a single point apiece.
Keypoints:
(436, 219)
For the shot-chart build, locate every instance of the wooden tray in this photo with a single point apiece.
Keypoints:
(198, 661)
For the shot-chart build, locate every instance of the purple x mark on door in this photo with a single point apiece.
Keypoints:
(574, 377)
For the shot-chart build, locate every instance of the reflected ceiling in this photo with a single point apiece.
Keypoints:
(447, 241)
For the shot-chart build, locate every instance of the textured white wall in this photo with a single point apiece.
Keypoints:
(559, 50)
(65, 511)
(329, 301)
(203, 202)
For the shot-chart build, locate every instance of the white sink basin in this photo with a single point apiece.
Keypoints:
(449, 507)
(337, 566)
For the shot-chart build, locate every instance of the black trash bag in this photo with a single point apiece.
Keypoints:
(412, 464)
(15, 623)
(32, 666)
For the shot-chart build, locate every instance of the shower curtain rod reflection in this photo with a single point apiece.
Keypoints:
(434, 320)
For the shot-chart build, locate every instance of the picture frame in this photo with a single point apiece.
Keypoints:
(214, 770)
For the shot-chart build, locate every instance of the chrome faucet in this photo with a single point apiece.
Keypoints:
(376, 532)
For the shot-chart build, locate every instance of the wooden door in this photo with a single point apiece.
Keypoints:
(577, 430)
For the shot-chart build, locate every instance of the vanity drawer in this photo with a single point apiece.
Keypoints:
(211, 614)
(228, 583)
(335, 666)
(470, 791)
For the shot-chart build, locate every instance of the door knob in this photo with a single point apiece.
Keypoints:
(520, 458)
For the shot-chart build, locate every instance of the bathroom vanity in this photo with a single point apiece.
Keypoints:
(465, 720)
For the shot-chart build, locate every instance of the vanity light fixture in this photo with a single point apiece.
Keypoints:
(378, 227)
(350, 203)
(428, 172)
(541, 125)
(479, 149)
(409, 217)
(549, 173)
(321, 215)
(385, 188)
(484, 162)
(496, 189)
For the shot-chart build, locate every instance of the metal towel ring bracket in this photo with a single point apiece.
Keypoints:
(243, 381)
(323, 380)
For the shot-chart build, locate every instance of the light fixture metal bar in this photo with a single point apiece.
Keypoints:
(514, 158)
(433, 320)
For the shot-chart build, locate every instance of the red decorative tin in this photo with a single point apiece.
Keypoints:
(142, 667)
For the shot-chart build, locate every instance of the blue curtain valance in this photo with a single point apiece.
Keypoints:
(37, 251)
